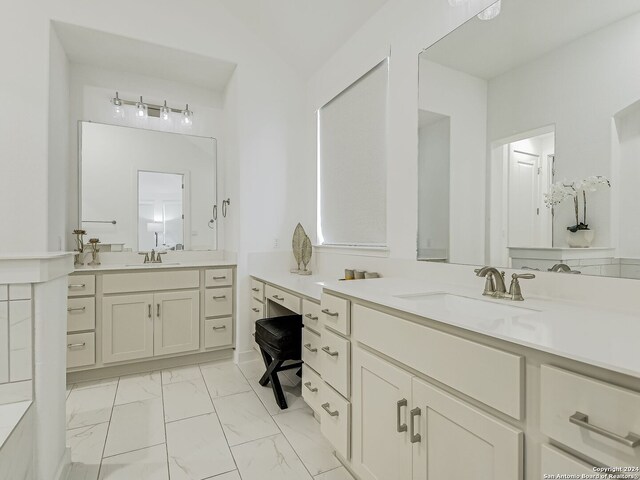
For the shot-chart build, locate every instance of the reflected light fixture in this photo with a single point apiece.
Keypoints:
(187, 116)
(491, 12)
(141, 109)
(118, 107)
(165, 112)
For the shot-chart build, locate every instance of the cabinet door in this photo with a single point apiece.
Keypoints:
(452, 440)
(177, 322)
(381, 399)
(127, 327)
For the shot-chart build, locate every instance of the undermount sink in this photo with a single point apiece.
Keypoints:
(468, 307)
(164, 264)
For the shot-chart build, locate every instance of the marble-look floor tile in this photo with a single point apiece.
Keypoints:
(95, 383)
(224, 379)
(186, 399)
(181, 374)
(146, 464)
(303, 432)
(90, 405)
(87, 445)
(197, 448)
(270, 458)
(135, 388)
(337, 474)
(244, 418)
(69, 388)
(292, 394)
(252, 370)
(134, 426)
(227, 476)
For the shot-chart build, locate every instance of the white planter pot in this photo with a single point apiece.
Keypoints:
(581, 238)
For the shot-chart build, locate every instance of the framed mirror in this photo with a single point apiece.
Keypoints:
(144, 189)
(529, 139)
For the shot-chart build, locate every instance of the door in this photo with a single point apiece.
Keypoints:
(452, 440)
(127, 327)
(177, 322)
(381, 399)
(523, 192)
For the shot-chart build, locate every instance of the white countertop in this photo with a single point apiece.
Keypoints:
(155, 266)
(596, 336)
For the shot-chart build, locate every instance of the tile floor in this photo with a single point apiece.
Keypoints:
(208, 421)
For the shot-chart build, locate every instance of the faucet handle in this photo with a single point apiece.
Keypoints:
(524, 276)
(158, 257)
(515, 291)
(146, 256)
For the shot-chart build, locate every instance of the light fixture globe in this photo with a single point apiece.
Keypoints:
(491, 11)
(142, 110)
(187, 117)
(118, 107)
(165, 112)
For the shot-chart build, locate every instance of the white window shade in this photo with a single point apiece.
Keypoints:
(352, 163)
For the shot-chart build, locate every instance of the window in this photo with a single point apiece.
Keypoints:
(352, 163)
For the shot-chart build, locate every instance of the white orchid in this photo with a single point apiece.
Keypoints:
(558, 193)
(593, 183)
(561, 191)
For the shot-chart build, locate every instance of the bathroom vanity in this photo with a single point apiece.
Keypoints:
(406, 377)
(118, 316)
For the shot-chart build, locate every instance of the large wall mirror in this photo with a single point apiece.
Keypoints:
(143, 189)
(529, 139)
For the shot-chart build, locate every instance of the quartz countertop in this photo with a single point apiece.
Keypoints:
(167, 264)
(309, 286)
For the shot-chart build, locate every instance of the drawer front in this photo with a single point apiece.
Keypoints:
(312, 388)
(282, 298)
(489, 375)
(335, 420)
(81, 314)
(81, 285)
(218, 277)
(556, 462)
(150, 281)
(335, 361)
(257, 289)
(81, 349)
(218, 302)
(566, 398)
(257, 312)
(218, 332)
(335, 313)
(311, 349)
(311, 315)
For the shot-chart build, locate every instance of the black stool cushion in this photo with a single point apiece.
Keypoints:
(281, 337)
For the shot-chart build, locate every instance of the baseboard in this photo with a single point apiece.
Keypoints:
(64, 465)
(248, 356)
(148, 366)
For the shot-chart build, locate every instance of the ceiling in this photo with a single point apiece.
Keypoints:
(104, 50)
(524, 31)
(305, 33)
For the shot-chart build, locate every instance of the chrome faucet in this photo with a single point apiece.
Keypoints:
(563, 268)
(152, 257)
(494, 285)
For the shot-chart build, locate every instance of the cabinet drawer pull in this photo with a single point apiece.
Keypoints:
(308, 347)
(582, 420)
(310, 388)
(77, 285)
(329, 312)
(415, 437)
(400, 427)
(257, 310)
(328, 351)
(219, 297)
(325, 407)
(220, 278)
(76, 345)
(223, 327)
(149, 310)
(280, 299)
(76, 309)
(158, 311)
(311, 317)
(255, 289)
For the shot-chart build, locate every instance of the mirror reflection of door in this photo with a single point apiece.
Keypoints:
(160, 210)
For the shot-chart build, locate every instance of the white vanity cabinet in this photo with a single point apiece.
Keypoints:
(177, 323)
(127, 327)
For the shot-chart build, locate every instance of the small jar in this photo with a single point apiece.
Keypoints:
(371, 275)
(359, 274)
(348, 274)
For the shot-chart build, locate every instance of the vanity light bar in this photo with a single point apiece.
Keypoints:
(153, 109)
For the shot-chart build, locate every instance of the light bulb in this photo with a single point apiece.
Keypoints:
(118, 107)
(141, 109)
(491, 12)
(165, 111)
(187, 117)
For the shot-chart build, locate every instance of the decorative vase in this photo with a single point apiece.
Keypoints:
(580, 239)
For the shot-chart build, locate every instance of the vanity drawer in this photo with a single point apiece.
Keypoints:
(218, 332)
(257, 312)
(565, 396)
(282, 298)
(335, 420)
(257, 290)
(335, 361)
(311, 315)
(218, 277)
(554, 462)
(489, 375)
(150, 281)
(312, 388)
(81, 314)
(311, 349)
(218, 302)
(81, 285)
(81, 349)
(335, 313)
